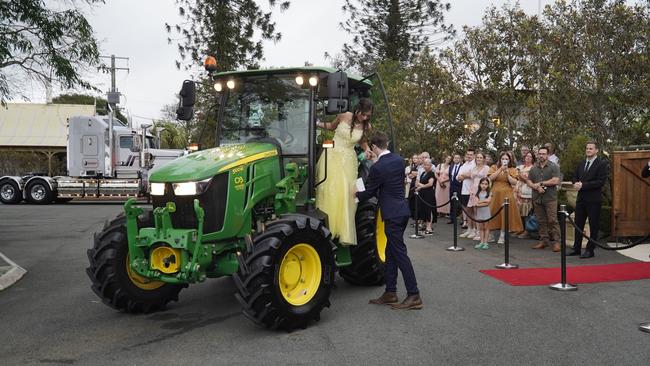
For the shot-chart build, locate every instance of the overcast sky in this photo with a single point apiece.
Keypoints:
(135, 29)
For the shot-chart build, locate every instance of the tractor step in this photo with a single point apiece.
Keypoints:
(343, 258)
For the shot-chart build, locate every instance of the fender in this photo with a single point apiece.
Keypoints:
(49, 180)
(21, 183)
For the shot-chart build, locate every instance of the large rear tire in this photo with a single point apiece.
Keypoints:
(369, 255)
(285, 278)
(10, 194)
(38, 192)
(112, 278)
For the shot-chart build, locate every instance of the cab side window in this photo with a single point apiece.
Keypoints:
(126, 142)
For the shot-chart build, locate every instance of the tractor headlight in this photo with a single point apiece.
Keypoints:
(191, 188)
(157, 189)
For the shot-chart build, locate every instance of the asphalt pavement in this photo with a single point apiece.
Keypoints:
(51, 316)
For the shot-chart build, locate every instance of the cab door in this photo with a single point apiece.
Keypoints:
(128, 162)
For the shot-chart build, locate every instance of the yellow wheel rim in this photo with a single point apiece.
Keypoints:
(141, 282)
(380, 237)
(300, 274)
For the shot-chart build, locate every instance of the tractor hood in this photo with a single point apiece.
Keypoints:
(208, 163)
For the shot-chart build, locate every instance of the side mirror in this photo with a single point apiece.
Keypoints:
(185, 110)
(136, 145)
(337, 92)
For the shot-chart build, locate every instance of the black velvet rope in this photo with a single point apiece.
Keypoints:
(482, 221)
(426, 203)
(605, 246)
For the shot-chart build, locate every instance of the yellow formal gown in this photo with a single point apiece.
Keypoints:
(334, 196)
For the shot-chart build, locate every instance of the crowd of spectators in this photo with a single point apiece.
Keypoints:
(527, 179)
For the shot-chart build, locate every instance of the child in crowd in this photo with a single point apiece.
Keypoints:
(483, 211)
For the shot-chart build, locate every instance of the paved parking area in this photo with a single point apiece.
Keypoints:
(52, 317)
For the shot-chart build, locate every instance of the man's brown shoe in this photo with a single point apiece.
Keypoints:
(540, 245)
(411, 302)
(386, 298)
(556, 247)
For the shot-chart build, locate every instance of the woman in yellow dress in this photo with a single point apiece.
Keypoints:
(334, 195)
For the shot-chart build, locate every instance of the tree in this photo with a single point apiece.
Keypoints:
(422, 115)
(225, 29)
(494, 64)
(172, 135)
(596, 70)
(580, 68)
(395, 30)
(51, 46)
(100, 103)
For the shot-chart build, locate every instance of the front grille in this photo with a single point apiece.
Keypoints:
(213, 202)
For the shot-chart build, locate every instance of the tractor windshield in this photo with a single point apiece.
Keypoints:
(267, 106)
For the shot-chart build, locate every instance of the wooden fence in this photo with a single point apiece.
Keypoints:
(630, 194)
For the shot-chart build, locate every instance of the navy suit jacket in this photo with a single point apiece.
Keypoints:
(592, 180)
(386, 182)
(455, 185)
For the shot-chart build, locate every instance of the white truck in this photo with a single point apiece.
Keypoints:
(104, 159)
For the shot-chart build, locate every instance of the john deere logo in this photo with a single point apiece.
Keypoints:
(239, 183)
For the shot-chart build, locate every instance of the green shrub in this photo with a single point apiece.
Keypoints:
(572, 155)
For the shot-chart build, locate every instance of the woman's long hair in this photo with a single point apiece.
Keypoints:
(478, 190)
(364, 106)
(511, 163)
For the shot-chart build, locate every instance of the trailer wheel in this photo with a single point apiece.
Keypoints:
(38, 192)
(112, 278)
(285, 278)
(10, 193)
(369, 255)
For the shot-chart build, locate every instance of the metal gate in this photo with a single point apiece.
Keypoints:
(631, 194)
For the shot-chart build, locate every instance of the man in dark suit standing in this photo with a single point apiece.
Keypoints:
(455, 185)
(589, 178)
(386, 182)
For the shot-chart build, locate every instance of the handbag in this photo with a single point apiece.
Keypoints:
(531, 223)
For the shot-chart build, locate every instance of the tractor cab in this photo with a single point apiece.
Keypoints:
(281, 106)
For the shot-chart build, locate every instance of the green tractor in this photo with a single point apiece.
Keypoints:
(246, 208)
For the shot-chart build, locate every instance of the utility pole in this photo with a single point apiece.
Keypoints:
(113, 96)
(113, 99)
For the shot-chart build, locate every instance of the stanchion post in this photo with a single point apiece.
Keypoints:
(563, 286)
(454, 212)
(417, 215)
(506, 217)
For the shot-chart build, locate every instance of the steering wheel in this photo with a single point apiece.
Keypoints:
(282, 135)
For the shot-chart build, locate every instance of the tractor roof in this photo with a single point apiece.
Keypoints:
(289, 70)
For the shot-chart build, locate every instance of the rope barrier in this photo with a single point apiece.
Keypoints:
(604, 246)
(482, 221)
(431, 206)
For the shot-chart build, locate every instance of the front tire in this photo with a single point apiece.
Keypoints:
(369, 255)
(112, 278)
(285, 278)
(10, 192)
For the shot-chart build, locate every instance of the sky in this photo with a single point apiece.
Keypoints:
(135, 29)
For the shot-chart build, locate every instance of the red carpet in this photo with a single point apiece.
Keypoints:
(579, 274)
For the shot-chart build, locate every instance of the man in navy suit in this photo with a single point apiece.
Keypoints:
(589, 178)
(455, 185)
(386, 182)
